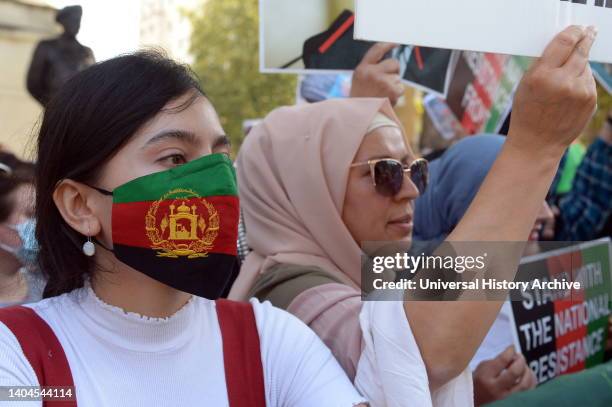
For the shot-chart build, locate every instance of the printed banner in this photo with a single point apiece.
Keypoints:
(562, 332)
(513, 27)
(481, 90)
(480, 94)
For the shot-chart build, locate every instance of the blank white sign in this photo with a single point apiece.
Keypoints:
(516, 27)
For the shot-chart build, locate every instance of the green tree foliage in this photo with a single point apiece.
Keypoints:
(225, 45)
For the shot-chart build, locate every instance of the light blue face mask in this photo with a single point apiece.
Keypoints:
(28, 252)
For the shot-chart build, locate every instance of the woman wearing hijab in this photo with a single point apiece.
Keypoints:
(317, 181)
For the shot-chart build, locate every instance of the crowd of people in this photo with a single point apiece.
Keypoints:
(132, 146)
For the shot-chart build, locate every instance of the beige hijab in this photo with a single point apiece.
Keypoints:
(292, 175)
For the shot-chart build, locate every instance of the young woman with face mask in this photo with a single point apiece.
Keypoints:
(319, 182)
(137, 220)
(19, 282)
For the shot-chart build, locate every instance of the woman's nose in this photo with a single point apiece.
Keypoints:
(408, 190)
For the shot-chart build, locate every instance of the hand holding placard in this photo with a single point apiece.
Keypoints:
(378, 77)
(557, 96)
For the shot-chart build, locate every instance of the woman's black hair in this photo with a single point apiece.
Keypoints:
(13, 173)
(86, 123)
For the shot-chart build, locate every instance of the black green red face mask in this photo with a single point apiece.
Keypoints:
(180, 226)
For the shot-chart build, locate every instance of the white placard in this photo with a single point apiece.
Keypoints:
(515, 27)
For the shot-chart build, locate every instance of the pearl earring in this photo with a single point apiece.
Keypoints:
(89, 249)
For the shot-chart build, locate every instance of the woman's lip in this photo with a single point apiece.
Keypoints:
(403, 219)
(403, 227)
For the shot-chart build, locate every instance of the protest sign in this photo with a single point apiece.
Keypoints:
(316, 37)
(562, 332)
(481, 89)
(514, 27)
(479, 95)
(603, 73)
(426, 69)
(308, 37)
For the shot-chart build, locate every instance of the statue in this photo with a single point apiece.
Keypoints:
(57, 60)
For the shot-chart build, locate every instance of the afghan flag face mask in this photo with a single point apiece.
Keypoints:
(180, 226)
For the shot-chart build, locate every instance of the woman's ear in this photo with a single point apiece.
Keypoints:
(77, 205)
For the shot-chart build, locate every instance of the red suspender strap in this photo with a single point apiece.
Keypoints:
(241, 354)
(42, 349)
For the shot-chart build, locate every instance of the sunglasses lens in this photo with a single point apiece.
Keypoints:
(419, 174)
(389, 177)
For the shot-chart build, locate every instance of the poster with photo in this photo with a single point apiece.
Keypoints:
(426, 69)
(482, 87)
(479, 97)
(317, 37)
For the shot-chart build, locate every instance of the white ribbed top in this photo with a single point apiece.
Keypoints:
(124, 359)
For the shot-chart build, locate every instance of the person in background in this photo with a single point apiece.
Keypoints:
(568, 167)
(373, 77)
(585, 212)
(20, 282)
(455, 179)
(317, 181)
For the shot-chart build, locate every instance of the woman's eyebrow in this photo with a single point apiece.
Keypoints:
(180, 135)
(379, 157)
(221, 141)
(408, 158)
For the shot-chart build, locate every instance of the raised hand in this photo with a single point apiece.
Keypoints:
(557, 96)
(378, 77)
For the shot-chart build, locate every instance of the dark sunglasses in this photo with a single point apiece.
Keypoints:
(388, 174)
